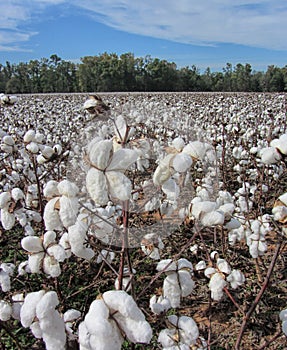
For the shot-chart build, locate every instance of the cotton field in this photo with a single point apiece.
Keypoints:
(143, 221)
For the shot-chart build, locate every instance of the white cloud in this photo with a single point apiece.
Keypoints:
(258, 23)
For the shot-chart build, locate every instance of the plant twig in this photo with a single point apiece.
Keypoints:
(258, 297)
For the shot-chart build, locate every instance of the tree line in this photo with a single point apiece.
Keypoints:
(110, 72)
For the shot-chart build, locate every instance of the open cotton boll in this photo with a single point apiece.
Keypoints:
(7, 219)
(128, 316)
(166, 265)
(280, 144)
(100, 153)
(47, 152)
(178, 143)
(172, 289)
(32, 244)
(216, 284)
(232, 224)
(32, 147)
(181, 162)
(97, 186)
(98, 330)
(236, 278)
(5, 310)
(186, 283)
(187, 328)
(171, 189)
(269, 155)
(212, 218)
(223, 266)
(119, 185)
(28, 310)
(5, 198)
(159, 305)
(51, 189)
(196, 149)
(17, 194)
(77, 235)
(280, 213)
(69, 207)
(122, 159)
(202, 207)
(283, 198)
(67, 188)
(36, 330)
(51, 216)
(29, 136)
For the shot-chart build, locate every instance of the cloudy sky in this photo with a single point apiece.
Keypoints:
(207, 33)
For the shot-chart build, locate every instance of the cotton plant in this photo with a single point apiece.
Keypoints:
(45, 253)
(178, 282)
(182, 333)
(220, 274)
(159, 304)
(39, 313)
(110, 319)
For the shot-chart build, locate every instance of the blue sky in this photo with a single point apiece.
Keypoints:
(206, 33)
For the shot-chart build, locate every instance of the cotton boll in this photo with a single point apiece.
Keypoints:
(17, 194)
(236, 278)
(7, 219)
(77, 235)
(129, 316)
(5, 198)
(172, 290)
(36, 330)
(187, 327)
(202, 207)
(122, 160)
(97, 186)
(29, 136)
(51, 216)
(216, 284)
(32, 147)
(159, 305)
(212, 218)
(178, 143)
(28, 310)
(269, 155)
(171, 189)
(98, 331)
(68, 188)
(5, 310)
(51, 189)
(41, 159)
(47, 152)
(35, 262)
(181, 162)
(166, 265)
(120, 186)
(69, 207)
(283, 198)
(223, 266)
(100, 152)
(32, 244)
(186, 283)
